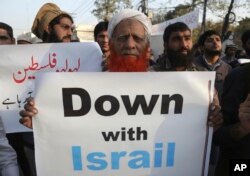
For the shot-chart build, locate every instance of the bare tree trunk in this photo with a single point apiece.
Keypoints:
(203, 24)
(226, 21)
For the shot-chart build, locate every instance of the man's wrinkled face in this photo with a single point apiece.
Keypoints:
(63, 31)
(103, 41)
(212, 45)
(231, 51)
(5, 39)
(129, 47)
(179, 47)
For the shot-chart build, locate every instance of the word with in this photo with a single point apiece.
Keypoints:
(140, 100)
(131, 133)
(21, 75)
(7, 101)
(137, 159)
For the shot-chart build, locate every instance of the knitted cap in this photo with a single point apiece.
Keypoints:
(44, 16)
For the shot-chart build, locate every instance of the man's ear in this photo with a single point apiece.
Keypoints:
(13, 41)
(48, 29)
(148, 52)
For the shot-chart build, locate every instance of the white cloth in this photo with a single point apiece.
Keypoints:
(129, 13)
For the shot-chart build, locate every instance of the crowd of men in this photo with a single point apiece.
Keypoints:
(125, 43)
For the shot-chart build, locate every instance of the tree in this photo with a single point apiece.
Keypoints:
(219, 8)
(244, 25)
(166, 13)
(105, 8)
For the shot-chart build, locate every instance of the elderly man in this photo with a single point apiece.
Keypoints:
(128, 33)
(51, 24)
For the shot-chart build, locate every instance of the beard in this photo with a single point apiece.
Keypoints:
(121, 63)
(178, 59)
(53, 37)
(213, 52)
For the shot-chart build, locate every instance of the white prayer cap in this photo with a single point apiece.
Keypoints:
(126, 14)
(25, 37)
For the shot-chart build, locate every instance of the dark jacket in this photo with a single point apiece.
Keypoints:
(163, 64)
(220, 67)
(236, 89)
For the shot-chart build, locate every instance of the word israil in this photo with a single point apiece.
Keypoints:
(163, 155)
(115, 103)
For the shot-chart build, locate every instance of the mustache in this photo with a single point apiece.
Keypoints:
(67, 37)
(127, 63)
(130, 52)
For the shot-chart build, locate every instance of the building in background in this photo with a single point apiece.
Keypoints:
(85, 32)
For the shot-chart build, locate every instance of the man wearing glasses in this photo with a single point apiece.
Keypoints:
(53, 25)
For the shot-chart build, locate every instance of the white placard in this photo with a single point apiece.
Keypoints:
(109, 124)
(191, 19)
(19, 65)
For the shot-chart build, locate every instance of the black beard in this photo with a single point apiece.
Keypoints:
(53, 38)
(213, 53)
(178, 59)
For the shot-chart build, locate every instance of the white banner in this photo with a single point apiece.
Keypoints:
(191, 19)
(109, 124)
(19, 65)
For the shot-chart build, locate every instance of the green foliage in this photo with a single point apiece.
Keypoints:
(178, 11)
(209, 25)
(106, 8)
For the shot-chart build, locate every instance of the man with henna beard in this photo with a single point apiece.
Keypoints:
(129, 33)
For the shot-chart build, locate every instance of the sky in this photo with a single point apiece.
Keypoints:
(21, 13)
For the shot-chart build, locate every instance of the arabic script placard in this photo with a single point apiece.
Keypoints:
(20, 64)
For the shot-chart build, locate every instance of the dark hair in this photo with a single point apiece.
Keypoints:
(101, 26)
(55, 21)
(205, 35)
(8, 28)
(178, 26)
(245, 37)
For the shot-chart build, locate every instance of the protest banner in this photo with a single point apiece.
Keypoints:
(109, 124)
(191, 19)
(19, 65)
